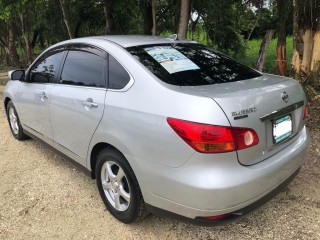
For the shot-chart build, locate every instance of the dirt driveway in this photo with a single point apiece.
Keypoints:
(43, 196)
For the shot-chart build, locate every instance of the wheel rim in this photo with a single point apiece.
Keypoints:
(115, 185)
(13, 121)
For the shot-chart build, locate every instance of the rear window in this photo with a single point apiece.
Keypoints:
(190, 64)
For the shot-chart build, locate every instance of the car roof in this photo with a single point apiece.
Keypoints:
(137, 40)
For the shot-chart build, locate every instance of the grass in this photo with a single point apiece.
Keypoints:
(270, 66)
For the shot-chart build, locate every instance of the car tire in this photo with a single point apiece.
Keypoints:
(118, 187)
(14, 122)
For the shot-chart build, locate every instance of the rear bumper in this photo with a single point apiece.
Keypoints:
(211, 185)
(234, 215)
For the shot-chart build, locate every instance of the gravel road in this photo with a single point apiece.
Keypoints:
(44, 196)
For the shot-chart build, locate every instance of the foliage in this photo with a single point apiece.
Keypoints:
(29, 26)
(222, 24)
(252, 50)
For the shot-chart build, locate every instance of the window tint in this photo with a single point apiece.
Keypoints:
(46, 69)
(84, 69)
(118, 76)
(191, 64)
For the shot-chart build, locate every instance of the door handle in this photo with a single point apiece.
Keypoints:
(89, 103)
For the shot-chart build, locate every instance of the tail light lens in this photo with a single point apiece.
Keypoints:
(206, 138)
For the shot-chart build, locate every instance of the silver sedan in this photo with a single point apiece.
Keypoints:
(164, 125)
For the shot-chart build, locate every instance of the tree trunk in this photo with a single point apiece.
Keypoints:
(10, 49)
(282, 54)
(281, 44)
(107, 16)
(307, 50)
(154, 20)
(66, 19)
(184, 19)
(77, 28)
(147, 19)
(35, 36)
(263, 50)
(296, 39)
(254, 26)
(28, 49)
(41, 41)
(315, 60)
(27, 43)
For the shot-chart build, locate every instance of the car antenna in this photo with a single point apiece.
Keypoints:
(174, 37)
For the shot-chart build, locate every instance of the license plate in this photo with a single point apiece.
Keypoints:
(282, 128)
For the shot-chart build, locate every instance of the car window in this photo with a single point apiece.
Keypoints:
(84, 69)
(118, 76)
(188, 64)
(46, 69)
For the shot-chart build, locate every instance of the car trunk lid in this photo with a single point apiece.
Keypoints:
(271, 105)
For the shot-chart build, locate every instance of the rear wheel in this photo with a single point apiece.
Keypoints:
(14, 122)
(118, 186)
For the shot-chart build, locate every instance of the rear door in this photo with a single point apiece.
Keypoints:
(77, 100)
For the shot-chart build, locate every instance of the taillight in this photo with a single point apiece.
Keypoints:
(207, 138)
(245, 137)
(305, 111)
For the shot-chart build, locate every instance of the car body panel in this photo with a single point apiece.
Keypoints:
(263, 94)
(208, 187)
(140, 129)
(73, 124)
(34, 98)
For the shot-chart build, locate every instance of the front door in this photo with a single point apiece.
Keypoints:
(34, 95)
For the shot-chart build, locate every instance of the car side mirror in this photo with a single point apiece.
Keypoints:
(16, 74)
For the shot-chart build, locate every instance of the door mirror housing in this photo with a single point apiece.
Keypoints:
(16, 74)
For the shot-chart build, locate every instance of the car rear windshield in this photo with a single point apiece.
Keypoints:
(189, 64)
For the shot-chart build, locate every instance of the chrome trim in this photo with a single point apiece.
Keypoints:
(281, 111)
(78, 86)
(126, 88)
(55, 145)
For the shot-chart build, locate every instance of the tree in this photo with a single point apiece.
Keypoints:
(154, 21)
(8, 34)
(297, 51)
(263, 50)
(223, 23)
(66, 19)
(146, 8)
(258, 4)
(184, 19)
(282, 6)
(107, 16)
(306, 59)
(29, 25)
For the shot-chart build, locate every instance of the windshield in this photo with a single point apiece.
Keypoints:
(189, 64)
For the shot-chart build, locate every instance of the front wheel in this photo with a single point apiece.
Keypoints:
(118, 186)
(14, 122)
